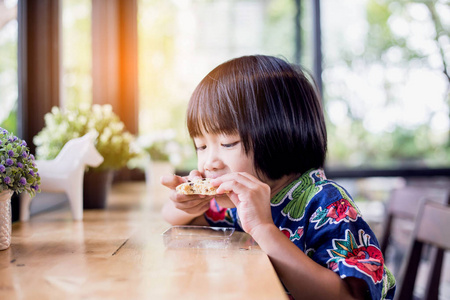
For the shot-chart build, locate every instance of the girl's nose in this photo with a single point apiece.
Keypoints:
(213, 162)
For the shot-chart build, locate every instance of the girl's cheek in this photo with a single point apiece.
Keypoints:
(200, 165)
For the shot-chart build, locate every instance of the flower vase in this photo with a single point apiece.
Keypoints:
(5, 219)
(96, 187)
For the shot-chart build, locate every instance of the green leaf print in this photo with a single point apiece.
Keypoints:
(343, 247)
(321, 217)
(296, 207)
(280, 196)
(388, 282)
(298, 193)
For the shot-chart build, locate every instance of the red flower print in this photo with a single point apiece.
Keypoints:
(218, 214)
(364, 257)
(292, 236)
(369, 260)
(341, 209)
(286, 232)
(333, 265)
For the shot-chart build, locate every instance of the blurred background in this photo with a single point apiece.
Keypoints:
(382, 68)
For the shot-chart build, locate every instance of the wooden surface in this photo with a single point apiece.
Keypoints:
(119, 253)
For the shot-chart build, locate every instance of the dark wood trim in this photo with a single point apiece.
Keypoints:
(114, 58)
(400, 172)
(129, 104)
(38, 64)
(38, 69)
(317, 44)
(105, 52)
(298, 32)
(366, 173)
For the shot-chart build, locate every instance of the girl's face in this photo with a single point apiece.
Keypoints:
(219, 154)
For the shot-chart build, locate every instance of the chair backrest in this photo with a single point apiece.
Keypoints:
(432, 228)
(404, 203)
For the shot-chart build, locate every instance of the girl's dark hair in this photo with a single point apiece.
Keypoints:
(273, 107)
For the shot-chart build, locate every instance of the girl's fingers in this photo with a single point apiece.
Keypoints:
(186, 198)
(172, 181)
(195, 174)
(236, 182)
(193, 206)
(231, 186)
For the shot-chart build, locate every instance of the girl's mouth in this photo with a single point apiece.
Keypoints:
(212, 175)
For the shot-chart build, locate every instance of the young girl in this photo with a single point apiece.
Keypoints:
(259, 130)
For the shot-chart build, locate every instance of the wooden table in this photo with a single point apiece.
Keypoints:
(119, 253)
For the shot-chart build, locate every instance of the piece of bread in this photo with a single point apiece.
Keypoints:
(200, 186)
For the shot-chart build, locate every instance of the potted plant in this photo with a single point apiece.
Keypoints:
(163, 154)
(114, 143)
(18, 174)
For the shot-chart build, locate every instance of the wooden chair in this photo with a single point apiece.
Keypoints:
(401, 211)
(431, 228)
(404, 203)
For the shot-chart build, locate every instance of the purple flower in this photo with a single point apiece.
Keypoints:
(31, 156)
(23, 181)
(20, 165)
(9, 162)
(10, 152)
(7, 180)
(31, 172)
(2, 168)
(35, 187)
(24, 154)
(1, 142)
(24, 143)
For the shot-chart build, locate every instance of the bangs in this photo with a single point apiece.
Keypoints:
(273, 108)
(211, 110)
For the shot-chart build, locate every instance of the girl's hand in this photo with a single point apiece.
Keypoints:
(250, 196)
(194, 205)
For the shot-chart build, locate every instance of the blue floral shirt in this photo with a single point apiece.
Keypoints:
(321, 219)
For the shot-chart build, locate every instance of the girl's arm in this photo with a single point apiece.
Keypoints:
(304, 278)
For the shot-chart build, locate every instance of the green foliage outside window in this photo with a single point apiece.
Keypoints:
(8, 65)
(401, 40)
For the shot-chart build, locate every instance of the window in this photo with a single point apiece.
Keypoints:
(8, 65)
(385, 90)
(76, 52)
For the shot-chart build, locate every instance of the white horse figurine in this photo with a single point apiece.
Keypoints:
(65, 173)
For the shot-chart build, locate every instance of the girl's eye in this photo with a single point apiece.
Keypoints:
(199, 148)
(230, 144)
